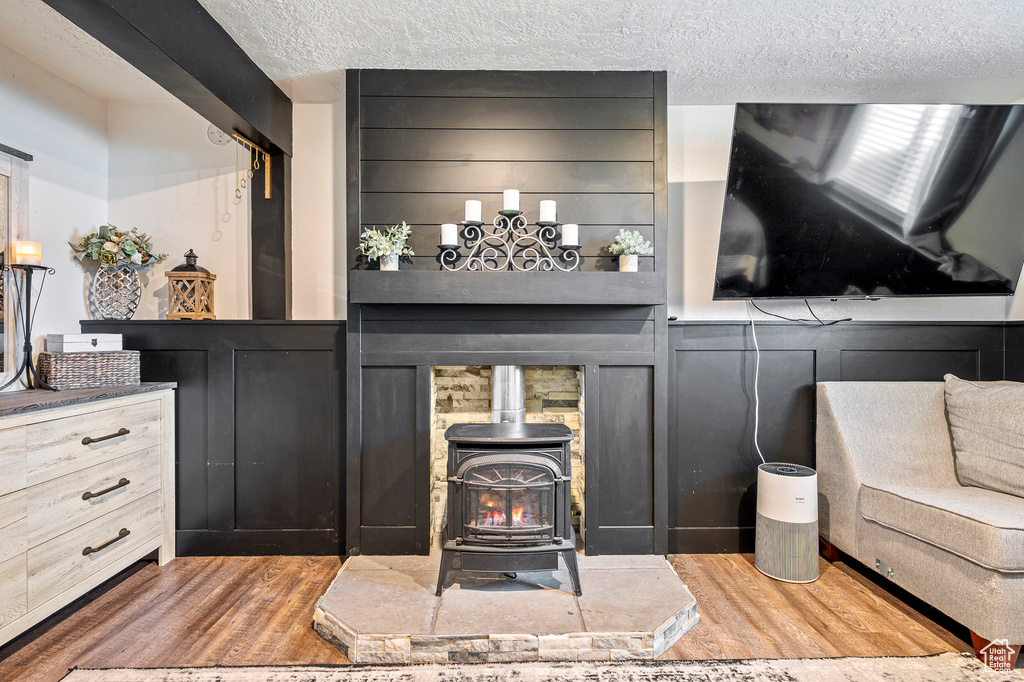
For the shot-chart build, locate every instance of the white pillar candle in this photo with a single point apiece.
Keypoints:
(570, 234)
(510, 200)
(450, 233)
(473, 211)
(28, 253)
(547, 211)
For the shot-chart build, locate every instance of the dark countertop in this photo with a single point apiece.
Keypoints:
(22, 402)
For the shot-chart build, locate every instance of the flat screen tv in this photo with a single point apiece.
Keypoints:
(873, 200)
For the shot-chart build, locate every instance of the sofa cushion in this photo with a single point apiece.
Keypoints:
(986, 421)
(979, 525)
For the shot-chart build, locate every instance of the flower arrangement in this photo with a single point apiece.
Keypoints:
(394, 241)
(112, 246)
(630, 243)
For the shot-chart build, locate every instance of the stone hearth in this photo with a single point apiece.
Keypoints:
(383, 610)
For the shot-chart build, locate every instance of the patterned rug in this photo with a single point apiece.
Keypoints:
(947, 667)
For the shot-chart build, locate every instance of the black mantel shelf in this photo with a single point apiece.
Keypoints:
(530, 288)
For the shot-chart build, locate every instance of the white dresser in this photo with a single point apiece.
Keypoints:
(86, 489)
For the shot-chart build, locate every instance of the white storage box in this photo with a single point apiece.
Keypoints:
(82, 343)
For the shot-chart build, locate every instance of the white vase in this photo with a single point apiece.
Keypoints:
(389, 262)
(629, 262)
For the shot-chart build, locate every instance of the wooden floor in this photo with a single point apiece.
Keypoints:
(201, 611)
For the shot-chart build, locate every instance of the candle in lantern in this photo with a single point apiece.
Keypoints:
(28, 253)
(473, 211)
(450, 231)
(547, 211)
(510, 200)
(570, 235)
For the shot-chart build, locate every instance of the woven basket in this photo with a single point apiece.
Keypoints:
(97, 369)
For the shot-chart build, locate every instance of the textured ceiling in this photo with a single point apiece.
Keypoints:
(715, 51)
(38, 32)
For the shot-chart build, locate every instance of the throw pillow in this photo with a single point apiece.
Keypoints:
(986, 421)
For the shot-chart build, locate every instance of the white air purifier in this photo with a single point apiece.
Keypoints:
(786, 544)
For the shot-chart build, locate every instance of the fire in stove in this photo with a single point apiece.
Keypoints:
(521, 518)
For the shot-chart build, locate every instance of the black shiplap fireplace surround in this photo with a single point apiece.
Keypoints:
(419, 145)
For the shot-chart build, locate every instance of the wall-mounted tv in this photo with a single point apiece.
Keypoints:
(873, 200)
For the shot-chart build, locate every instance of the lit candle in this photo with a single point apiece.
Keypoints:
(510, 199)
(570, 234)
(28, 253)
(547, 211)
(473, 211)
(450, 231)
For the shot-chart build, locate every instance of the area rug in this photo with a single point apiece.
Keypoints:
(947, 667)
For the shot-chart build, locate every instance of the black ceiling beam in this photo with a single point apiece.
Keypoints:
(184, 50)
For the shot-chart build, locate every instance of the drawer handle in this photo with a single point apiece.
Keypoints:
(120, 484)
(123, 533)
(120, 432)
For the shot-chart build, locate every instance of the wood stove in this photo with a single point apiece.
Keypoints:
(508, 499)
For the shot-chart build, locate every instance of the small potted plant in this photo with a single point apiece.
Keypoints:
(628, 246)
(387, 246)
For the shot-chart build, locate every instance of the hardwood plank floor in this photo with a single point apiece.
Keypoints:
(201, 611)
(744, 614)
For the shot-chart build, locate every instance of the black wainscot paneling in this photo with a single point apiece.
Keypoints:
(190, 369)
(713, 463)
(625, 471)
(1014, 361)
(260, 430)
(394, 470)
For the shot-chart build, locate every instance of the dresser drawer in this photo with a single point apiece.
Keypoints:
(58, 447)
(57, 505)
(13, 525)
(59, 564)
(13, 452)
(13, 592)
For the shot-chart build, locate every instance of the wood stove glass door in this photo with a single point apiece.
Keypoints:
(509, 504)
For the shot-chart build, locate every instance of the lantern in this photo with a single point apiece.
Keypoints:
(190, 291)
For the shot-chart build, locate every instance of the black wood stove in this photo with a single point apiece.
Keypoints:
(508, 498)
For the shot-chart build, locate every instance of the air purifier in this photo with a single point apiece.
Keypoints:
(786, 542)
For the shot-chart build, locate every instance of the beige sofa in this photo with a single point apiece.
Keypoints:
(889, 495)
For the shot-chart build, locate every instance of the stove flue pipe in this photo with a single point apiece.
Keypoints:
(508, 394)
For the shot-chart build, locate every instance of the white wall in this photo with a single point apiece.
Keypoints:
(65, 129)
(699, 140)
(169, 180)
(319, 276)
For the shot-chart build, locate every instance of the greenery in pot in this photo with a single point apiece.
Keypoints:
(112, 246)
(630, 243)
(394, 240)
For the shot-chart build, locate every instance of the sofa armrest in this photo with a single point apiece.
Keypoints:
(876, 433)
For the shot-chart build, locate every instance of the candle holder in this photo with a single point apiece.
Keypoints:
(28, 366)
(510, 246)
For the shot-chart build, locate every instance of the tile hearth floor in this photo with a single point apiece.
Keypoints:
(382, 609)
